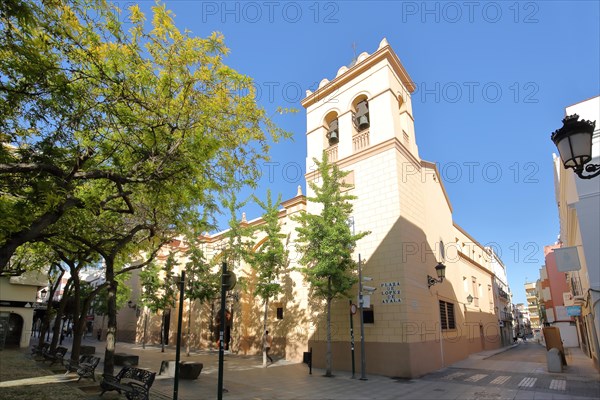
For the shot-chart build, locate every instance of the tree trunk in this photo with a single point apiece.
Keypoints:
(48, 316)
(56, 331)
(328, 353)
(264, 343)
(111, 329)
(79, 327)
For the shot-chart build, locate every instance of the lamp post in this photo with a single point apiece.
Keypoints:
(43, 295)
(574, 143)
(361, 302)
(181, 284)
(228, 281)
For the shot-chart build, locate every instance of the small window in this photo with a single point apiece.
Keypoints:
(368, 316)
(279, 312)
(447, 315)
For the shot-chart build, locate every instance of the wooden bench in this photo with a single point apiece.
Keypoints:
(134, 382)
(87, 369)
(55, 356)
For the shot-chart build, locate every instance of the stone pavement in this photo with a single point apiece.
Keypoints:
(498, 374)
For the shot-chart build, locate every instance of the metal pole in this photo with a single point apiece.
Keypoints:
(145, 327)
(222, 333)
(363, 361)
(352, 339)
(177, 349)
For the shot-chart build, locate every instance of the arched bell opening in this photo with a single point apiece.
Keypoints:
(361, 118)
(332, 127)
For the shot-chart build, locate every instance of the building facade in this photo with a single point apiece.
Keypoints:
(533, 307)
(363, 120)
(554, 292)
(19, 299)
(578, 202)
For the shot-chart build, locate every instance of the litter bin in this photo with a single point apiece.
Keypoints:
(307, 359)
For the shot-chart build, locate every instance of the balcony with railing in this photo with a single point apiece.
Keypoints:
(506, 316)
(576, 288)
(332, 153)
(502, 293)
(360, 140)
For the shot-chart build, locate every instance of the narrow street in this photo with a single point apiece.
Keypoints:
(521, 373)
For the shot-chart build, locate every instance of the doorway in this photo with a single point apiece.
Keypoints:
(15, 330)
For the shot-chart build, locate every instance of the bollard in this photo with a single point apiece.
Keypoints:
(554, 360)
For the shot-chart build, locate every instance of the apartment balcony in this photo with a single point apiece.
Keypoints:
(502, 294)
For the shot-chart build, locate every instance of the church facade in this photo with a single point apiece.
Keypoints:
(414, 322)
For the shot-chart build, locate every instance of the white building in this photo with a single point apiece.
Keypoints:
(578, 202)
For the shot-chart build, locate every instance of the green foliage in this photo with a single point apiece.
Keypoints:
(270, 258)
(201, 283)
(117, 122)
(159, 294)
(325, 240)
(238, 247)
(100, 302)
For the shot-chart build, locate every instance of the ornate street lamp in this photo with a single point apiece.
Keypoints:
(440, 270)
(574, 143)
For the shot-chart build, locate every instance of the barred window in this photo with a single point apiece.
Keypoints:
(447, 315)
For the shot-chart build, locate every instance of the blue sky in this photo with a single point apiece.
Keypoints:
(493, 80)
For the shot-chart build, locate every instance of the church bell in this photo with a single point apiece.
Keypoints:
(333, 134)
(362, 116)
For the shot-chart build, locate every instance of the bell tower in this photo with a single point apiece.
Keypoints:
(364, 106)
(363, 120)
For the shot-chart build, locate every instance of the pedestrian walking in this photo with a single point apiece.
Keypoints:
(267, 344)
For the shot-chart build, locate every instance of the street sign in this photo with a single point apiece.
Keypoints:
(353, 308)
(574, 311)
(230, 280)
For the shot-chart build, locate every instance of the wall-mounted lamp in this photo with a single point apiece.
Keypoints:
(469, 299)
(440, 270)
(574, 143)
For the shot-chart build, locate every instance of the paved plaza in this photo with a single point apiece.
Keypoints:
(515, 372)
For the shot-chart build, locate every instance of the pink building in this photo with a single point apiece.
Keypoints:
(556, 296)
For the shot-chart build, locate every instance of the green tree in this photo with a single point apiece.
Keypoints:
(237, 246)
(326, 242)
(269, 259)
(202, 284)
(91, 114)
(158, 294)
(114, 139)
